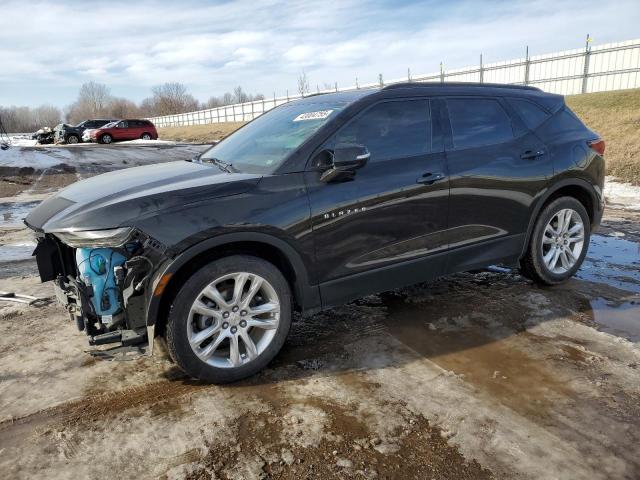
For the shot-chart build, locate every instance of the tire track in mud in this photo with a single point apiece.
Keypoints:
(81, 412)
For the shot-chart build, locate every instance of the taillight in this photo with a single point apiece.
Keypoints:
(597, 146)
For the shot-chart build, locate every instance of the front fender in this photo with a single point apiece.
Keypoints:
(306, 295)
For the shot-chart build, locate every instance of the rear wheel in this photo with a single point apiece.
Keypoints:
(229, 319)
(146, 136)
(559, 242)
(106, 138)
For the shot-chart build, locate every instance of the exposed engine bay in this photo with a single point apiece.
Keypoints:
(104, 289)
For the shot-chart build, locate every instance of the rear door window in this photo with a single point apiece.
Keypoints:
(478, 121)
(531, 114)
(392, 129)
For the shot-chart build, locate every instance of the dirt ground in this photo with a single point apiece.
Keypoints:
(478, 375)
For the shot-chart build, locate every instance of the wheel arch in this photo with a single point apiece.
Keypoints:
(282, 255)
(577, 188)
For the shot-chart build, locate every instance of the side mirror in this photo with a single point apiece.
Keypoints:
(347, 158)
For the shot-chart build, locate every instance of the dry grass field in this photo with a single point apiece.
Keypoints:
(614, 115)
(199, 133)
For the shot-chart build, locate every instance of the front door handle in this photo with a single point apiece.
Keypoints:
(531, 154)
(430, 178)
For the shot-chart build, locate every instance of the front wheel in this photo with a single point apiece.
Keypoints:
(559, 242)
(73, 139)
(145, 136)
(230, 319)
(106, 139)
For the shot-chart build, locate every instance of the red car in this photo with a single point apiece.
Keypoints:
(124, 130)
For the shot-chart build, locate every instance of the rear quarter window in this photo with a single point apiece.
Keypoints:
(563, 124)
(478, 121)
(531, 114)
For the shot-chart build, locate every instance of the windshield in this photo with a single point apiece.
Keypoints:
(262, 145)
(109, 125)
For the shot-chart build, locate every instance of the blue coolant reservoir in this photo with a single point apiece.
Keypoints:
(96, 269)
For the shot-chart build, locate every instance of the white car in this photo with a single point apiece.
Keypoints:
(86, 135)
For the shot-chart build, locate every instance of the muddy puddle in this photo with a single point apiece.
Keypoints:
(614, 261)
(622, 320)
(459, 343)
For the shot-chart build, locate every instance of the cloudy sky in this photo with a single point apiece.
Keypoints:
(48, 49)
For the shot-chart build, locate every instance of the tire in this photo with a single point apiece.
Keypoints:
(106, 139)
(145, 136)
(73, 139)
(208, 360)
(562, 253)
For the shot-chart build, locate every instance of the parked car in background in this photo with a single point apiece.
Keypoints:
(122, 130)
(44, 136)
(65, 133)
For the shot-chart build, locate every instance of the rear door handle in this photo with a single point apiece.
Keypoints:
(430, 178)
(530, 154)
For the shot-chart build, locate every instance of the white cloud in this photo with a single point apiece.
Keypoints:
(48, 49)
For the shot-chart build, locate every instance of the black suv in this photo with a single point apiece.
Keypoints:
(66, 133)
(316, 203)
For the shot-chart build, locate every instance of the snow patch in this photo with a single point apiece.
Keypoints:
(139, 141)
(39, 159)
(621, 194)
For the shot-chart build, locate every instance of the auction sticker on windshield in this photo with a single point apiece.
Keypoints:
(319, 115)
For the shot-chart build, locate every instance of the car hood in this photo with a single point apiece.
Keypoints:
(120, 198)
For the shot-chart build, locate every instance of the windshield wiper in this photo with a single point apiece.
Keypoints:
(225, 166)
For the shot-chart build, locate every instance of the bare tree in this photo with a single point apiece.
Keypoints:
(25, 119)
(239, 95)
(171, 98)
(228, 98)
(303, 83)
(93, 102)
(123, 108)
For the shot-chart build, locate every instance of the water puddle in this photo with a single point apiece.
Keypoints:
(614, 261)
(622, 320)
(496, 366)
(12, 213)
(19, 251)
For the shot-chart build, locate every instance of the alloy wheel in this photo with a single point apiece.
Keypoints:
(563, 241)
(233, 320)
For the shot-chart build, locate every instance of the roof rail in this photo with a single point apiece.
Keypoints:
(458, 84)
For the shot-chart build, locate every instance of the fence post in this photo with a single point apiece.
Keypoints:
(357, 85)
(336, 86)
(408, 75)
(441, 73)
(287, 95)
(380, 80)
(481, 70)
(527, 64)
(587, 57)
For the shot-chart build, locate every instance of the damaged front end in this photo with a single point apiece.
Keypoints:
(102, 278)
